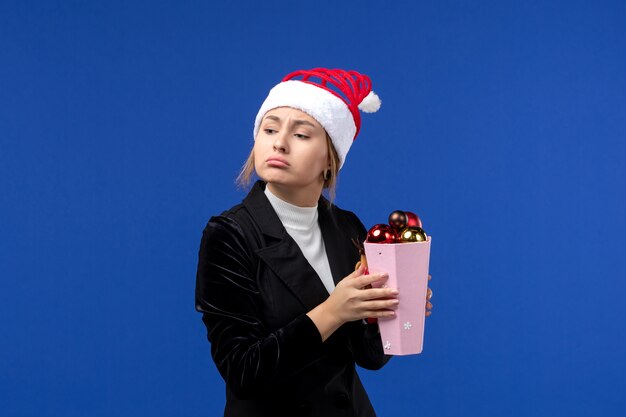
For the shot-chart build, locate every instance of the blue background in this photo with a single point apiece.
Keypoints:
(124, 124)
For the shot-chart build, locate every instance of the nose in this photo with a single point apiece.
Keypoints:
(280, 142)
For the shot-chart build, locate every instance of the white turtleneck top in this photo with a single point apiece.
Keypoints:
(301, 224)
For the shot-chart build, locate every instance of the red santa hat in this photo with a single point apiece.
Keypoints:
(333, 97)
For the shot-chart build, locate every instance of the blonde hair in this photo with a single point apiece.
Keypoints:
(247, 170)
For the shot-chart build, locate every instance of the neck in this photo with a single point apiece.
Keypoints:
(301, 197)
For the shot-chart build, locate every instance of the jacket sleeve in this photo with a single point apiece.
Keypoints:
(367, 347)
(248, 357)
(365, 338)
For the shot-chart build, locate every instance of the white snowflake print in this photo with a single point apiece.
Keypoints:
(387, 345)
(407, 325)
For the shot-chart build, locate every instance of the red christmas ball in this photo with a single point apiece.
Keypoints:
(382, 233)
(397, 220)
(412, 219)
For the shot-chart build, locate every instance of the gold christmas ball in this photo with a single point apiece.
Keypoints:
(413, 234)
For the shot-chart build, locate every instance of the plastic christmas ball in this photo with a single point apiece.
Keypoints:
(398, 220)
(412, 234)
(412, 219)
(382, 233)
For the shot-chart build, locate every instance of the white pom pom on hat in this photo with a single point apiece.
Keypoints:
(371, 103)
(333, 97)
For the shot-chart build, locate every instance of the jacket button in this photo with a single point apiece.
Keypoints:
(342, 400)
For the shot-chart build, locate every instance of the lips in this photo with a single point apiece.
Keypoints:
(276, 161)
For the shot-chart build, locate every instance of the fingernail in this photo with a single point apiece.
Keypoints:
(395, 292)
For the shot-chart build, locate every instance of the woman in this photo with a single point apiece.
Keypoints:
(276, 284)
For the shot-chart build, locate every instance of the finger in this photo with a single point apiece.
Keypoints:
(380, 304)
(429, 294)
(428, 313)
(429, 305)
(351, 280)
(429, 277)
(365, 280)
(364, 261)
(379, 314)
(374, 293)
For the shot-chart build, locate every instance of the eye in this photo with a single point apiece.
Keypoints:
(301, 136)
(269, 131)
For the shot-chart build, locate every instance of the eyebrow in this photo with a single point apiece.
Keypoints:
(295, 122)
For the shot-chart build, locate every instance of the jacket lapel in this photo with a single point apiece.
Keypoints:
(282, 254)
(339, 247)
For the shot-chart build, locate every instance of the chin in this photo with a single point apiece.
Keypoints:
(275, 175)
(273, 178)
(284, 179)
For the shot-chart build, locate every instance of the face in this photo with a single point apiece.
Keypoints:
(290, 149)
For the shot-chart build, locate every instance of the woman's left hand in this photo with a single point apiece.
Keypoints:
(429, 295)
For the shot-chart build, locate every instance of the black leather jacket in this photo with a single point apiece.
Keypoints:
(254, 287)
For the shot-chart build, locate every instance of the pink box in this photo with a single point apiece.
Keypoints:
(407, 266)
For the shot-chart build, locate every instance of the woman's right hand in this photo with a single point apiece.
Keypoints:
(354, 299)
